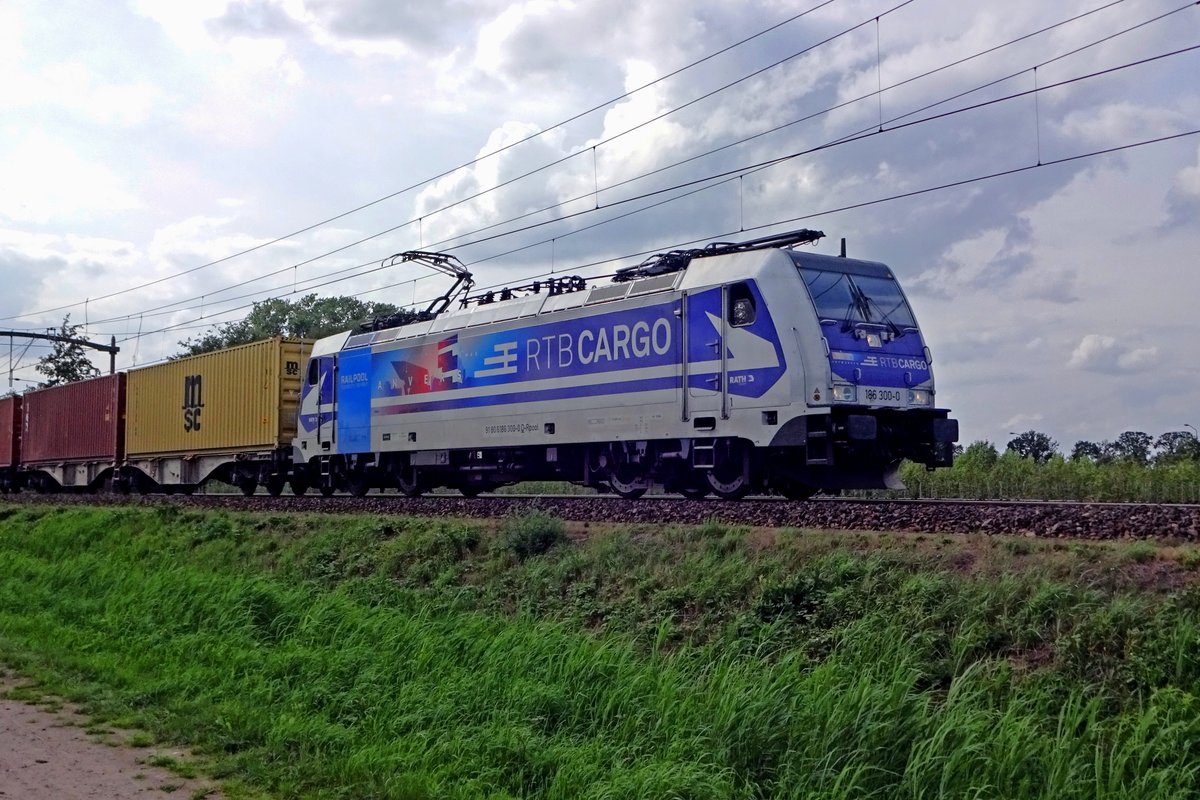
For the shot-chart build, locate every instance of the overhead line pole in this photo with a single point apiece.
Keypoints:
(110, 348)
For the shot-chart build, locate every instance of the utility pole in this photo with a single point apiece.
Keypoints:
(110, 348)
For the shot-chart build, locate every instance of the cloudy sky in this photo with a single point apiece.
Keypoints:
(142, 140)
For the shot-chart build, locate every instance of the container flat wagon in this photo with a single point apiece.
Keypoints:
(73, 435)
(229, 415)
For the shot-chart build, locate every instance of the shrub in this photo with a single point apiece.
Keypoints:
(532, 533)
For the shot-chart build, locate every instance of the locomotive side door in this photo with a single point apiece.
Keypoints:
(705, 359)
(326, 401)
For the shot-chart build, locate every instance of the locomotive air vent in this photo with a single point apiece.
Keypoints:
(658, 283)
(604, 294)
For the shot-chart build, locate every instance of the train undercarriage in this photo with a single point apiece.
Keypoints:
(817, 453)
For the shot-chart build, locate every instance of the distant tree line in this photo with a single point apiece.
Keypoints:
(1135, 466)
(310, 317)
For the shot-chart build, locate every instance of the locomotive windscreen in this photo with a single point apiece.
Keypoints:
(857, 298)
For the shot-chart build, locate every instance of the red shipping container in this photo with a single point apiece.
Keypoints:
(82, 421)
(10, 430)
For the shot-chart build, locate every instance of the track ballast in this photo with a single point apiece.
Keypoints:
(1035, 519)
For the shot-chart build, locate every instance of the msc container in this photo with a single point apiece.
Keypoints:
(240, 400)
(10, 431)
(73, 433)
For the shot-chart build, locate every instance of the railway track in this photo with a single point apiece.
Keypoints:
(1043, 519)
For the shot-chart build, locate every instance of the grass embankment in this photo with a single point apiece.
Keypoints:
(400, 658)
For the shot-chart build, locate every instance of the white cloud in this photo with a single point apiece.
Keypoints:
(75, 88)
(1101, 353)
(989, 259)
(186, 23)
(1123, 122)
(47, 180)
(1187, 182)
(195, 240)
(1183, 198)
(43, 270)
(1020, 423)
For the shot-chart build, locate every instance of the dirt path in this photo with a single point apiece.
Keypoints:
(45, 755)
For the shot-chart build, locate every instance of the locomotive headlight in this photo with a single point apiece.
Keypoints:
(919, 397)
(845, 394)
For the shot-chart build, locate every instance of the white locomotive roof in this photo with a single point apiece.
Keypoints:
(330, 344)
(701, 272)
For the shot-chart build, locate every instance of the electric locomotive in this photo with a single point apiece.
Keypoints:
(733, 368)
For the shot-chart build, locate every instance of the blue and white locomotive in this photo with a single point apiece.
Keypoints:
(728, 369)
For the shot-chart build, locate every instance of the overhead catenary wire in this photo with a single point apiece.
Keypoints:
(732, 174)
(859, 205)
(411, 187)
(877, 201)
(854, 136)
(318, 285)
(459, 236)
(840, 209)
(420, 219)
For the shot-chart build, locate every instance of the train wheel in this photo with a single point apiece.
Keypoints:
(247, 486)
(299, 487)
(628, 481)
(694, 491)
(734, 489)
(326, 490)
(731, 480)
(408, 481)
(275, 486)
(357, 485)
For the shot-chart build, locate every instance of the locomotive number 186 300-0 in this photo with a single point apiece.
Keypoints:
(882, 396)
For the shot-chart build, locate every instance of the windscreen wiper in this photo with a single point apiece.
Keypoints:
(886, 317)
(858, 304)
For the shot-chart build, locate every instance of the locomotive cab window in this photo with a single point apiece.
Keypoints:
(312, 372)
(742, 309)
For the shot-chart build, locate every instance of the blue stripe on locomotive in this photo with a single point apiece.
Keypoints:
(599, 344)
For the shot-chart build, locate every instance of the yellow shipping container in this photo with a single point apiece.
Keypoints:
(236, 400)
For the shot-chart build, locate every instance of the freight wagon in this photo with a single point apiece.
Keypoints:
(73, 435)
(229, 415)
(10, 443)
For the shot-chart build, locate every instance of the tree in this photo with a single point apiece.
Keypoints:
(1034, 445)
(1133, 446)
(1090, 451)
(979, 457)
(66, 362)
(310, 317)
(1176, 446)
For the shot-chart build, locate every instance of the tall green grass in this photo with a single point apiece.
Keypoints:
(393, 658)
